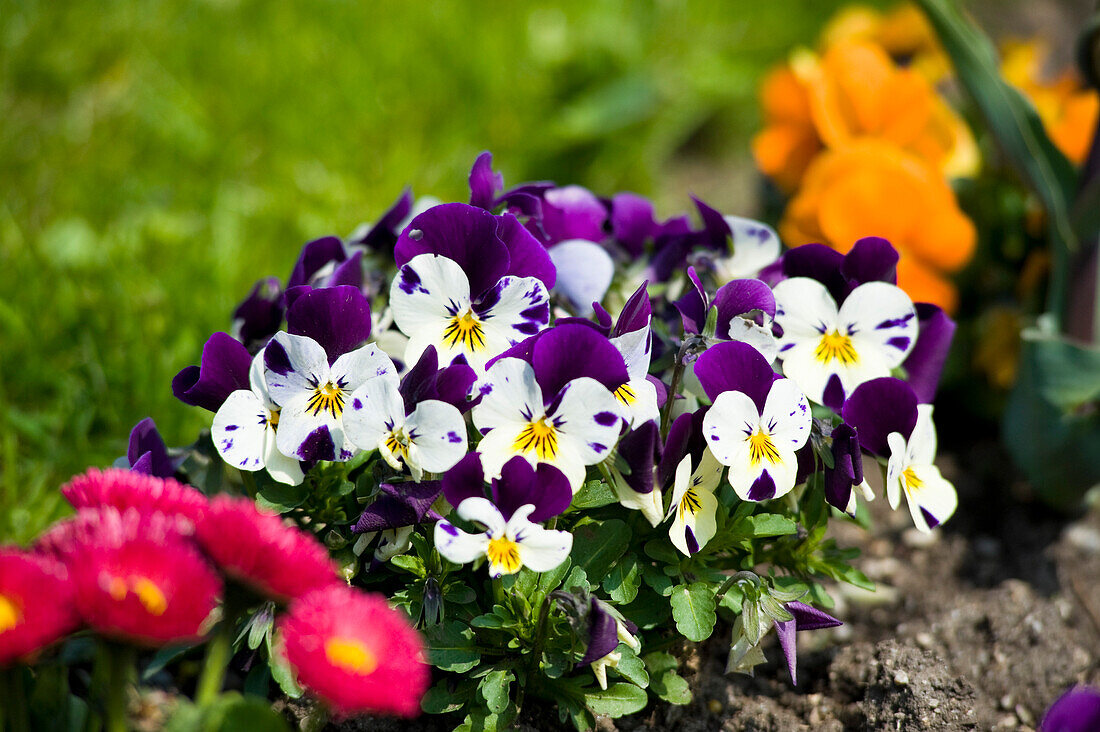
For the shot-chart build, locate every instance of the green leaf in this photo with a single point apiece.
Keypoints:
(409, 563)
(550, 581)
(622, 582)
(479, 721)
(617, 700)
(693, 610)
(451, 646)
(671, 687)
(658, 662)
(280, 497)
(632, 668)
(597, 545)
(281, 670)
(662, 550)
(494, 689)
(440, 700)
(162, 658)
(658, 580)
(648, 609)
(770, 524)
(593, 494)
(229, 713)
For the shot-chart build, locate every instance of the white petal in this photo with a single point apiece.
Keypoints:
(635, 348)
(755, 246)
(280, 467)
(880, 316)
(787, 415)
(727, 426)
(894, 468)
(355, 368)
(801, 365)
(394, 542)
(510, 395)
(804, 309)
(781, 473)
(584, 271)
(702, 523)
(438, 432)
(299, 428)
(643, 407)
(238, 430)
(455, 545)
(540, 550)
(521, 310)
(373, 410)
(591, 416)
(921, 447)
(426, 293)
(305, 366)
(759, 337)
(394, 344)
(484, 512)
(650, 504)
(680, 483)
(935, 495)
(496, 449)
(258, 382)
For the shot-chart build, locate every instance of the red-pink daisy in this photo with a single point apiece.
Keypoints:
(355, 652)
(91, 525)
(137, 580)
(258, 549)
(125, 489)
(36, 603)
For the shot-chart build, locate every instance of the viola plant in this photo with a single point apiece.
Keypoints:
(554, 476)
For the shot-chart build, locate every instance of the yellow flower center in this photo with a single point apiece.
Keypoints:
(273, 420)
(504, 552)
(690, 503)
(10, 614)
(762, 448)
(836, 346)
(539, 436)
(625, 395)
(328, 398)
(397, 442)
(350, 655)
(465, 330)
(150, 596)
(911, 481)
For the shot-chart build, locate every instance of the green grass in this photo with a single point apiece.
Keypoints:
(158, 157)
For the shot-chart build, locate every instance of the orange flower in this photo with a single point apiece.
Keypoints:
(855, 91)
(874, 188)
(1068, 110)
(903, 32)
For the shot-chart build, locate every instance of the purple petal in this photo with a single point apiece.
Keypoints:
(572, 212)
(820, 263)
(383, 235)
(397, 506)
(348, 272)
(603, 634)
(338, 318)
(527, 257)
(716, 231)
(763, 488)
(639, 448)
(685, 437)
(735, 366)
(925, 362)
(318, 445)
(546, 488)
(847, 470)
(484, 183)
(808, 617)
(260, 314)
(418, 383)
(315, 255)
(465, 480)
(694, 304)
(785, 630)
(739, 297)
(632, 222)
(1077, 710)
(465, 234)
(147, 452)
(871, 259)
(223, 370)
(636, 314)
(833, 397)
(555, 361)
(877, 408)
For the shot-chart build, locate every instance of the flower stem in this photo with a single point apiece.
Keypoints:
(13, 711)
(218, 654)
(120, 673)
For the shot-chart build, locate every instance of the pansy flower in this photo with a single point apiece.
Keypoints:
(36, 603)
(756, 421)
(429, 436)
(223, 370)
(469, 283)
(245, 429)
(633, 338)
(519, 484)
(509, 544)
(548, 408)
(146, 452)
(313, 393)
(637, 489)
(694, 504)
(753, 246)
(393, 515)
(828, 350)
(890, 423)
(745, 311)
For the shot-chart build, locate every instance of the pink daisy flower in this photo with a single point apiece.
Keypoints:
(355, 652)
(279, 561)
(125, 489)
(136, 579)
(89, 525)
(36, 603)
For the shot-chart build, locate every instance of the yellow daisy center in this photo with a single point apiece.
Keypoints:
(834, 346)
(10, 614)
(327, 398)
(540, 436)
(504, 552)
(762, 448)
(350, 655)
(148, 593)
(465, 330)
(625, 395)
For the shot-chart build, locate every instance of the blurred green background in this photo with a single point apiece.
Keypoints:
(156, 158)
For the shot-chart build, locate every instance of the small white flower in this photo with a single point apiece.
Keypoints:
(694, 504)
(931, 498)
(509, 545)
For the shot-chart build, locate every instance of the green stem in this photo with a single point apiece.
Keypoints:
(249, 481)
(14, 709)
(218, 654)
(673, 387)
(120, 673)
(536, 650)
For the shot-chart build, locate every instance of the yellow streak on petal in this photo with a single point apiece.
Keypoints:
(539, 436)
(836, 346)
(10, 614)
(151, 597)
(625, 395)
(762, 448)
(350, 655)
(467, 330)
(504, 552)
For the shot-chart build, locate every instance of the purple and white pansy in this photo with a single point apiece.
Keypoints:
(829, 351)
(509, 544)
(753, 246)
(694, 506)
(245, 429)
(313, 394)
(756, 421)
